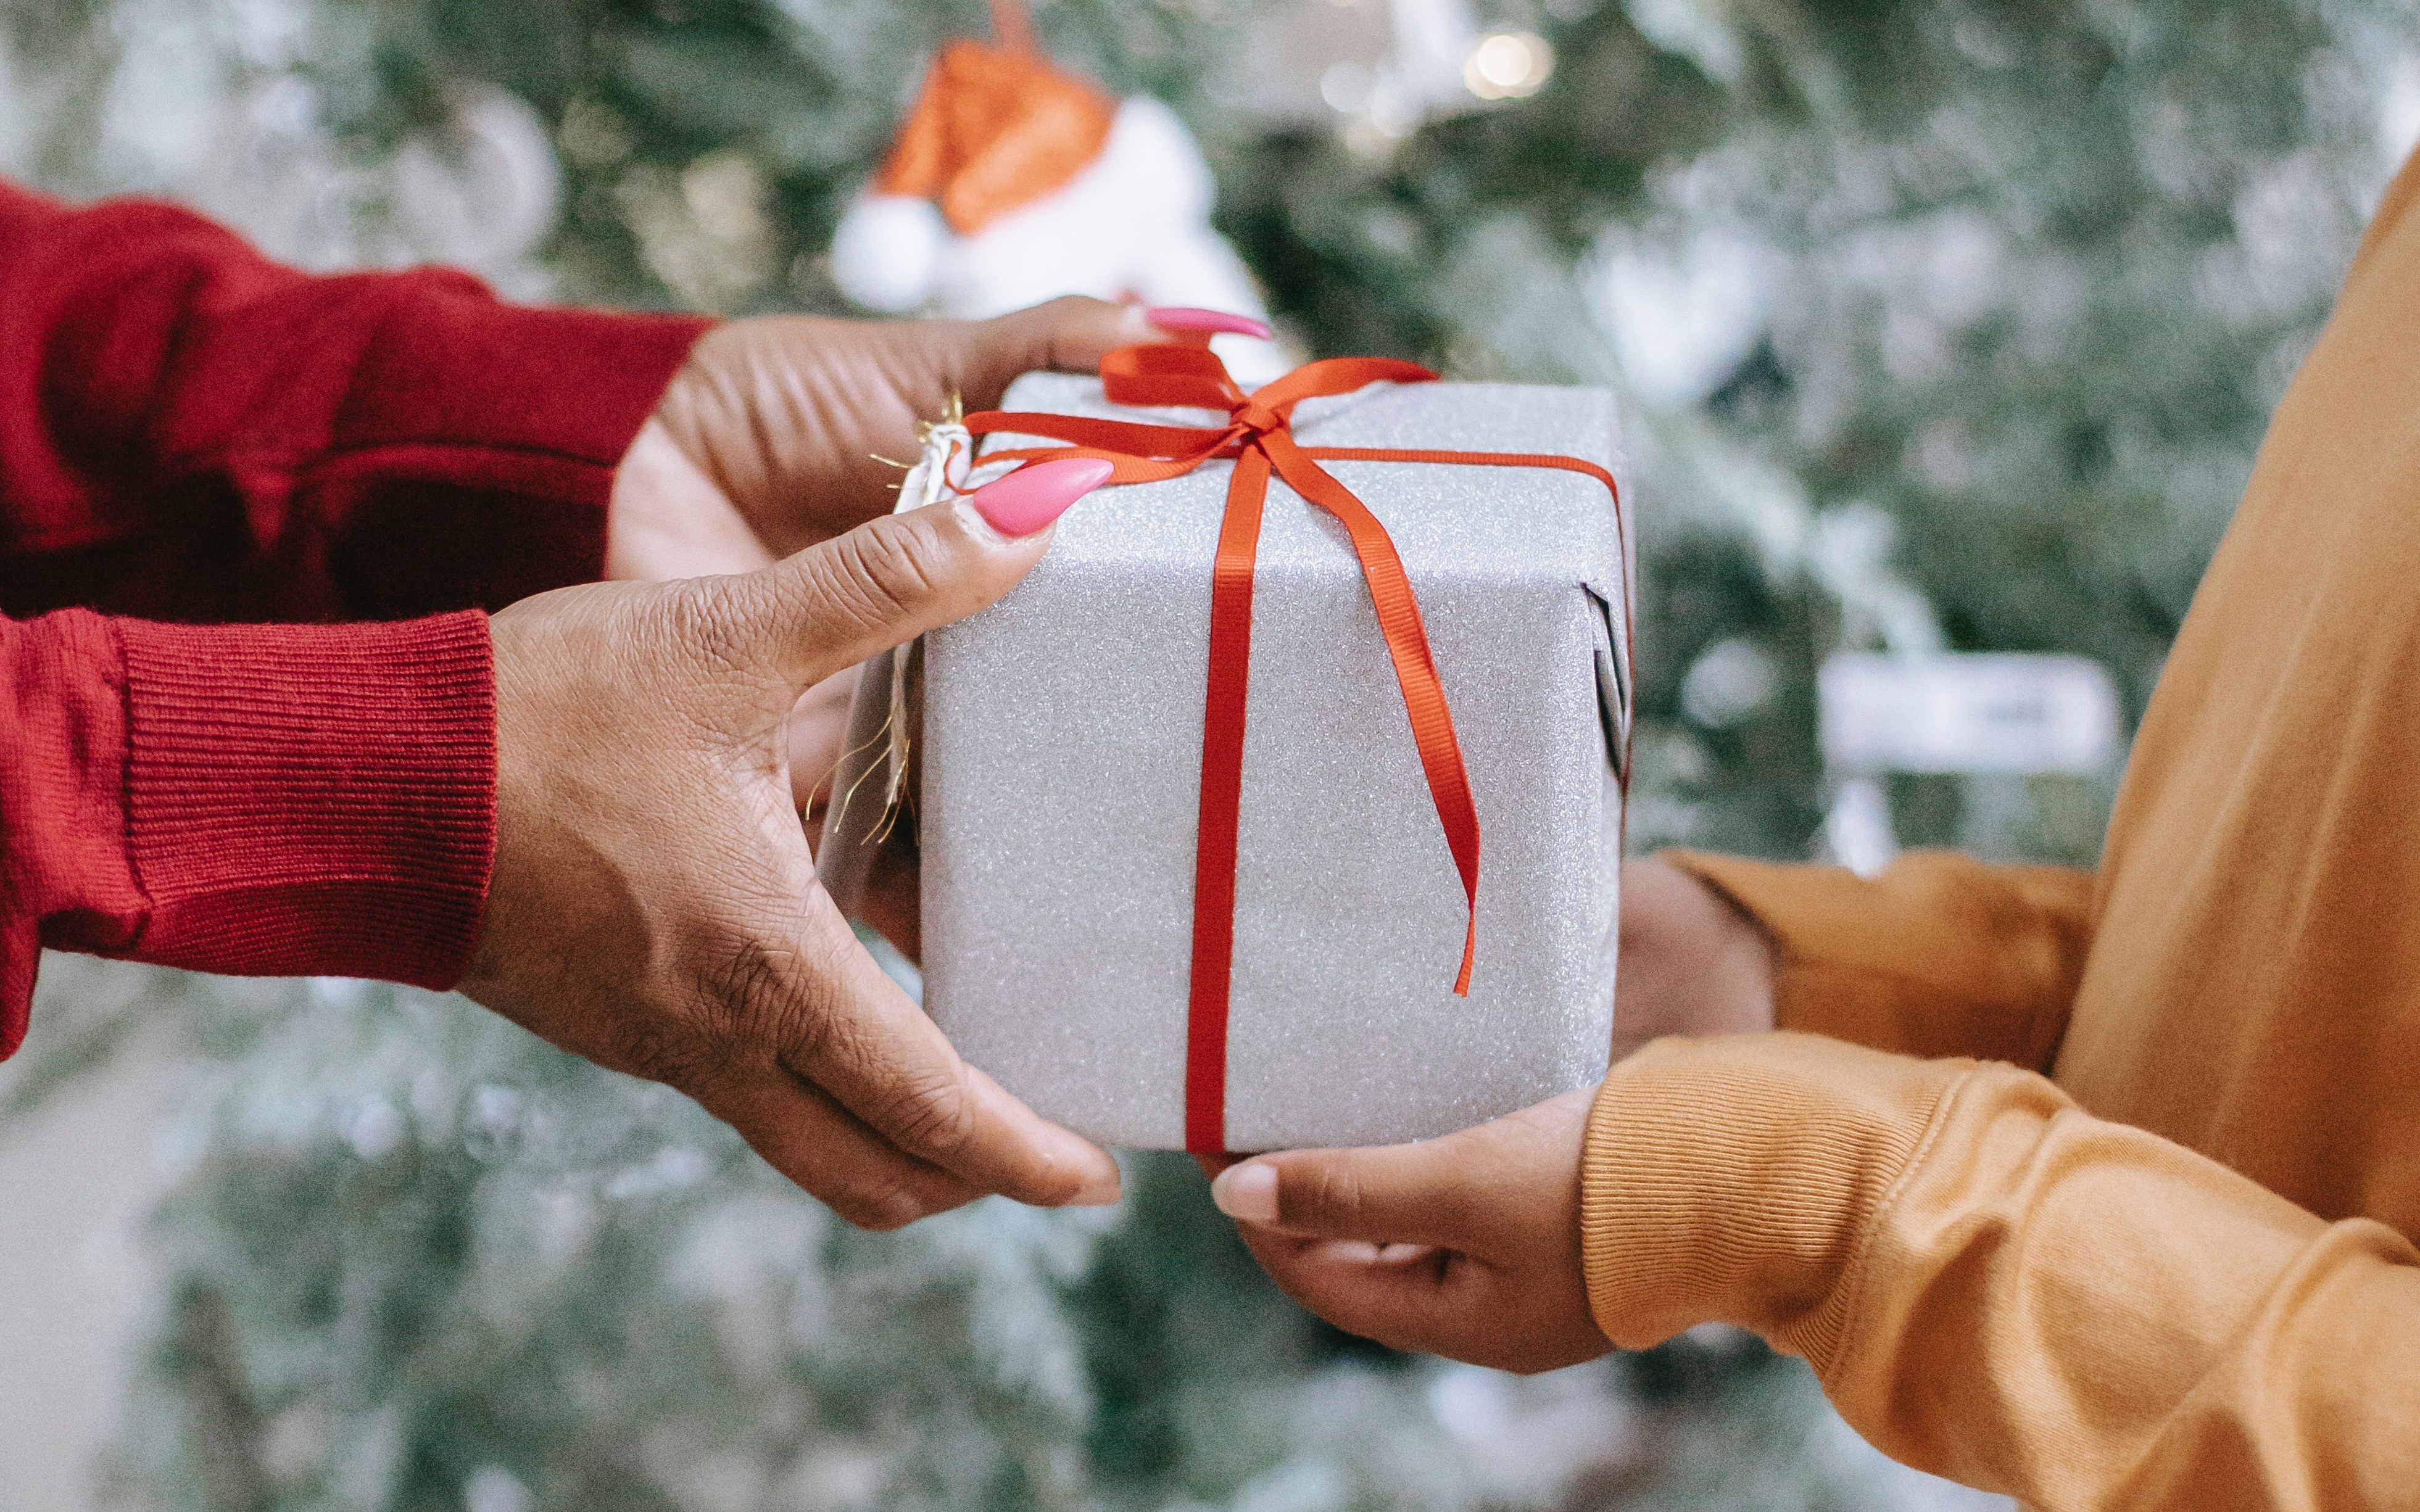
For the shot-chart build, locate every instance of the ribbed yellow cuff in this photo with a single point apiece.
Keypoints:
(1737, 1180)
(1941, 955)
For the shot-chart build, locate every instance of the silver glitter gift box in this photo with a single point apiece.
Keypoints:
(1063, 734)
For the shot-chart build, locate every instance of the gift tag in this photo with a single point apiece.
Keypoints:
(869, 788)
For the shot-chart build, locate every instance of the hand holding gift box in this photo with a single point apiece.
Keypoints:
(1192, 877)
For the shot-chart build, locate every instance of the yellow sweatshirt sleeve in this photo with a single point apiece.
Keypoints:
(1997, 1288)
(1940, 955)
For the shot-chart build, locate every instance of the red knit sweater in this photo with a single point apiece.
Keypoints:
(195, 436)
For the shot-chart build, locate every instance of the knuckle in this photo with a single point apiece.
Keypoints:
(713, 632)
(931, 1114)
(764, 1004)
(686, 1063)
(879, 569)
(706, 617)
(1047, 328)
(1332, 1198)
(702, 1062)
(1054, 1185)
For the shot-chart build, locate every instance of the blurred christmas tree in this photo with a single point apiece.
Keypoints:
(1947, 325)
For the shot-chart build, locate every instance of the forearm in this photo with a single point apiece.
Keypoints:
(1994, 1285)
(190, 431)
(257, 800)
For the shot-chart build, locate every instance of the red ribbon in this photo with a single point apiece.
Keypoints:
(1258, 437)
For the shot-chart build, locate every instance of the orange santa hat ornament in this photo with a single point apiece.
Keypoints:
(993, 129)
(1011, 180)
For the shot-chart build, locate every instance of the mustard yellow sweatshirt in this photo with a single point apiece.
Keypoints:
(2145, 1241)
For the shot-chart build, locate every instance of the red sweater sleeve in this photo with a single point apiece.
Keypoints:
(263, 800)
(190, 433)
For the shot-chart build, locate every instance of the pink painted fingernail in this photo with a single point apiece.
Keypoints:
(1249, 1192)
(1039, 492)
(1185, 318)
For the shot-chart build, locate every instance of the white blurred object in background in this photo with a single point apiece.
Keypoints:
(479, 192)
(1682, 315)
(79, 1179)
(484, 194)
(1913, 705)
(1857, 831)
(1973, 714)
(1378, 68)
(1978, 712)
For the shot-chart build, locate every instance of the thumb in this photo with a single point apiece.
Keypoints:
(890, 579)
(1385, 1194)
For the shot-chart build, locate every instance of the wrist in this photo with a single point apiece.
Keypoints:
(1742, 970)
(1693, 961)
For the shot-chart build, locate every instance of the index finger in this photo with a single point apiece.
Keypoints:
(862, 1040)
(1068, 334)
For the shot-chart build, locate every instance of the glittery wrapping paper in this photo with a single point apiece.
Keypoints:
(1062, 757)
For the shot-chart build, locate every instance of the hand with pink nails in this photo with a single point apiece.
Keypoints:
(768, 442)
(653, 906)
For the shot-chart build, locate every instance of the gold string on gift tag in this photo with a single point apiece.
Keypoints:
(940, 472)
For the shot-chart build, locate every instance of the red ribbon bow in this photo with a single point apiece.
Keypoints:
(1258, 436)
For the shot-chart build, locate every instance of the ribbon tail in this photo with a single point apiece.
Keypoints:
(1223, 786)
(1531, 459)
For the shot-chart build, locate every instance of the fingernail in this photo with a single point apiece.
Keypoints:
(1187, 317)
(1039, 492)
(1249, 1192)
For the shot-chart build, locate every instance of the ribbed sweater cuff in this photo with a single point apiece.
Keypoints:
(1939, 956)
(1739, 1179)
(308, 801)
